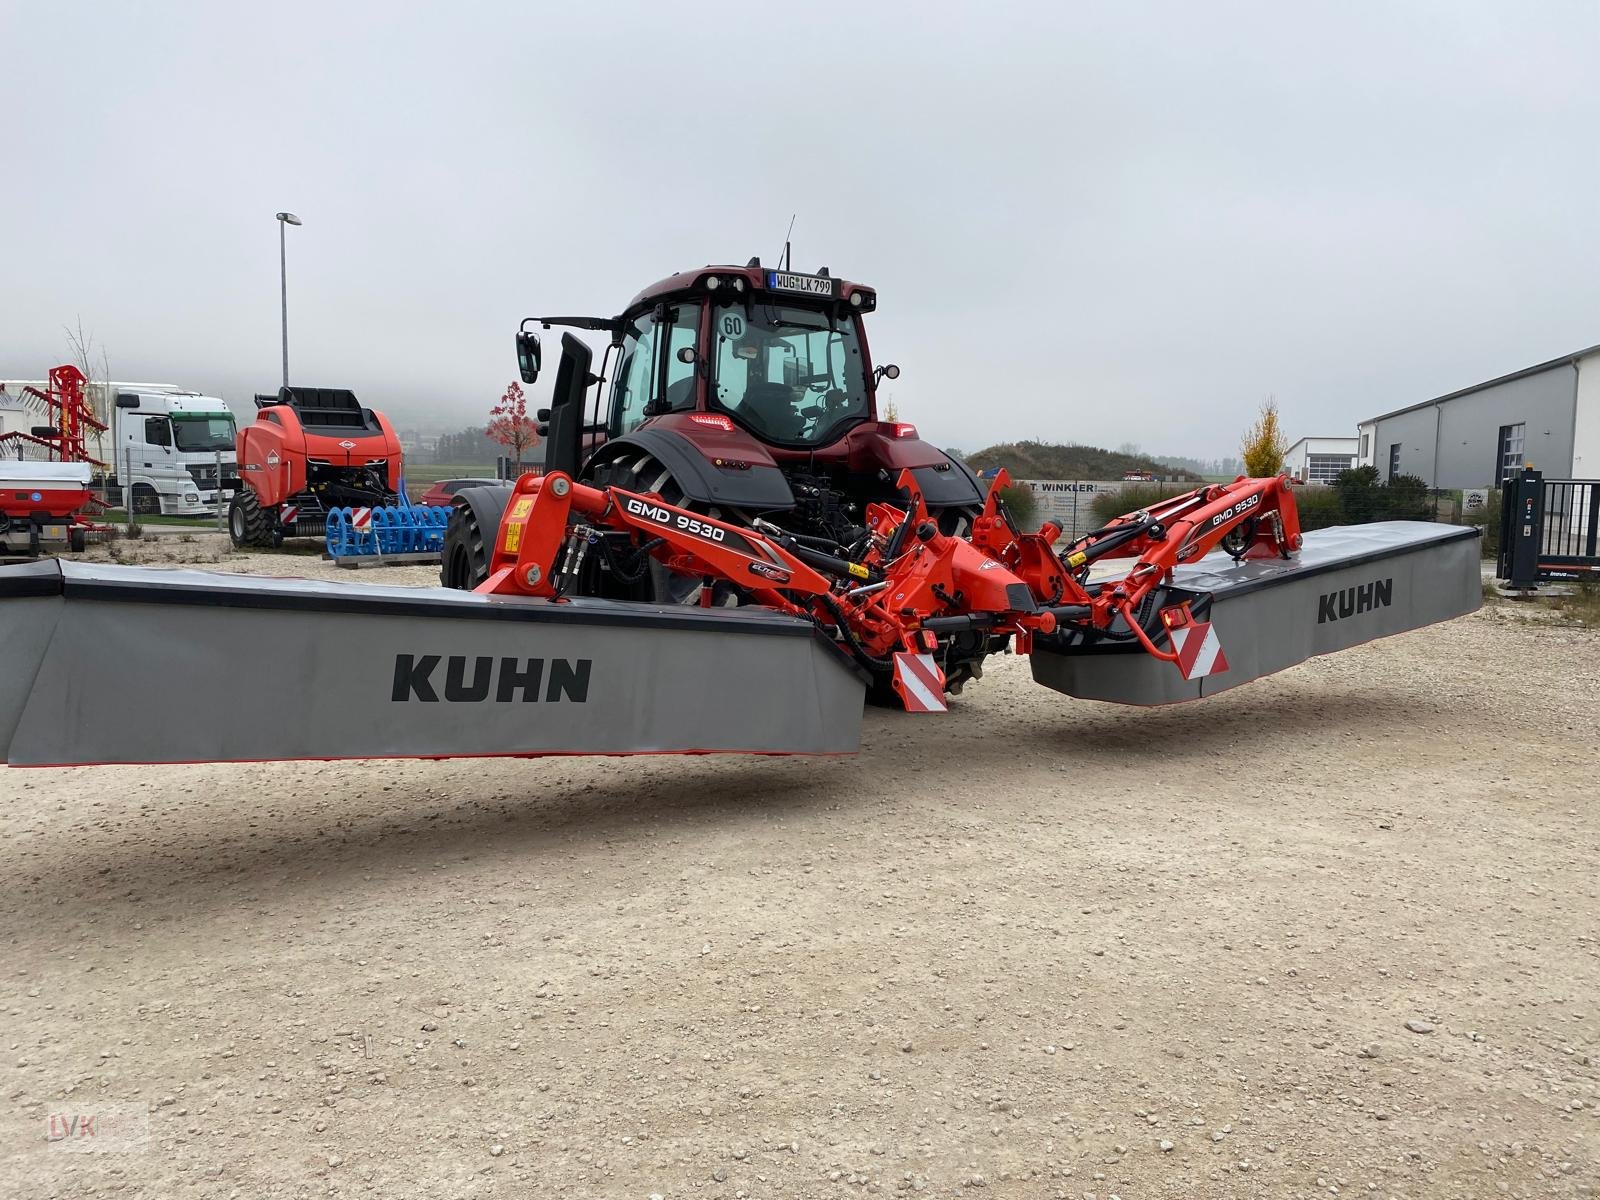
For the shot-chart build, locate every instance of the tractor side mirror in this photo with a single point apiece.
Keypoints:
(887, 371)
(686, 354)
(529, 356)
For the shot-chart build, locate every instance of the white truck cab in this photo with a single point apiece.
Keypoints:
(167, 446)
(162, 444)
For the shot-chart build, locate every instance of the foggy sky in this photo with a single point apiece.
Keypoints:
(1101, 222)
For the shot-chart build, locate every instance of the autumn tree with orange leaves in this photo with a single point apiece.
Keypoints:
(511, 426)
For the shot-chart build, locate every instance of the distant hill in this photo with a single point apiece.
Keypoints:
(1043, 460)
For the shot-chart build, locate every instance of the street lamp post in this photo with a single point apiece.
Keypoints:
(284, 218)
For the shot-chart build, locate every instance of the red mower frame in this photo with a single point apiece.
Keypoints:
(914, 582)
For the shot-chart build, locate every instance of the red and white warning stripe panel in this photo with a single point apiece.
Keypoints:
(361, 518)
(1198, 649)
(919, 681)
(290, 511)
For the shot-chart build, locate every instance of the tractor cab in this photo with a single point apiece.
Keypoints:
(778, 355)
(744, 393)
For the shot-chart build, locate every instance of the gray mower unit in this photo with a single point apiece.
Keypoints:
(303, 669)
(1347, 585)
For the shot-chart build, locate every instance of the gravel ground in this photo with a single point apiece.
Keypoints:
(1333, 933)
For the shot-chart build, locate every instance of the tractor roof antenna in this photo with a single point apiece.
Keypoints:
(788, 259)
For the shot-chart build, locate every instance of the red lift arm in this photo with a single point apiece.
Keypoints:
(914, 583)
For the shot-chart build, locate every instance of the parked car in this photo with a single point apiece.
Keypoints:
(441, 492)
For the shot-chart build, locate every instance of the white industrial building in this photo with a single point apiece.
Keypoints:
(1319, 459)
(1547, 415)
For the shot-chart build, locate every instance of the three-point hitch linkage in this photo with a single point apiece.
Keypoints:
(893, 599)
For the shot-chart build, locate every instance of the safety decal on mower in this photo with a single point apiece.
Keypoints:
(920, 682)
(1198, 649)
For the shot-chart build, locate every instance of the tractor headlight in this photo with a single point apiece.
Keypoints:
(738, 285)
(713, 282)
(855, 299)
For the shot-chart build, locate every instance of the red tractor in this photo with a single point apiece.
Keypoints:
(744, 394)
(309, 451)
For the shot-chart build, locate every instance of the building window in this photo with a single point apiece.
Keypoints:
(1324, 468)
(1365, 444)
(1509, 459)
(1394, 460)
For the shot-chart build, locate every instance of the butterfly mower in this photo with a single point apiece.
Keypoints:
(729, 551)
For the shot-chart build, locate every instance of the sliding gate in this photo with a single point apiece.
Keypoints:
(1549, 529)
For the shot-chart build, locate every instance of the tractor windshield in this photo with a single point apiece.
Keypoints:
(788, 375)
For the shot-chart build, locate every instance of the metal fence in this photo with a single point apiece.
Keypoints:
(1069, 502)
(1571, 535)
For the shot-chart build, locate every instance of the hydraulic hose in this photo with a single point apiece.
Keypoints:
(881, 666)
(831, 564)
(1118, 535)
(641, 560)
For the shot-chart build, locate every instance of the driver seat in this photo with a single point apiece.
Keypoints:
(775, 406)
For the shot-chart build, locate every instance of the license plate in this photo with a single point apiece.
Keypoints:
(808, 285)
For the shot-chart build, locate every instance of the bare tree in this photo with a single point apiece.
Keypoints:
(83, 356)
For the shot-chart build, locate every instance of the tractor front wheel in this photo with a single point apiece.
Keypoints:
(464, 561)
(250, 525)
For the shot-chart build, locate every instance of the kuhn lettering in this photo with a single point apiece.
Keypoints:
(1348, 602)
(558, 678)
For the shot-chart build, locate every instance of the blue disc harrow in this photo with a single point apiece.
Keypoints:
(392, 529)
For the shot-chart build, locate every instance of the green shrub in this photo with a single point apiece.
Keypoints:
(1406, 498)
(1107, 506)
(1319, 507)
(1357, 489)
(1022, 504)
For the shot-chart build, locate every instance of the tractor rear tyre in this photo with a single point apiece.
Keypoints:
(640, 472)
(250, 525)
